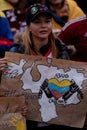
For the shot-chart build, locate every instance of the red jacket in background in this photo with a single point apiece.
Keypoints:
(75, 33)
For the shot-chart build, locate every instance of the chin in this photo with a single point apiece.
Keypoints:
(44, 36)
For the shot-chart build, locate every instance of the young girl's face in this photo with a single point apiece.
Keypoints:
(41, 27)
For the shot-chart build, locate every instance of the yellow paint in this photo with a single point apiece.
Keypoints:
(62, 83)
(18, 121)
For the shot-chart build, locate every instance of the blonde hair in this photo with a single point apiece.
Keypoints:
(28, 43)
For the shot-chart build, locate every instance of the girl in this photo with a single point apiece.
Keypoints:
(38, 39)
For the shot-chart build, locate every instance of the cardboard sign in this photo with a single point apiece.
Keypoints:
(54, 90)
(12, 121)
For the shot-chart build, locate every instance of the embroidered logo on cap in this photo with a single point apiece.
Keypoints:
(34, 10)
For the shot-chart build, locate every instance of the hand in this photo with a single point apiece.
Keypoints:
(72, 50)
(3, 62)
(24, 110)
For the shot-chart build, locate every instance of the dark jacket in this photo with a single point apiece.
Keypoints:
(62, 54)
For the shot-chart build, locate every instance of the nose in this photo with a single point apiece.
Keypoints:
(43, 24)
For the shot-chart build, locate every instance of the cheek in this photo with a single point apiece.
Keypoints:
(34, 29)
(50, 27)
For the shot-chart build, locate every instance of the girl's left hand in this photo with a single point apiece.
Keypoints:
(3, 62)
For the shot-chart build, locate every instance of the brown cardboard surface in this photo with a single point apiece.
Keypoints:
(53, 89)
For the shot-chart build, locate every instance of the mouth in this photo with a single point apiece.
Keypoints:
(43, 32)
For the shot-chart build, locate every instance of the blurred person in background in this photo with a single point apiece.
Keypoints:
(75, 33)
(82, 4)
(15, 14)
(6, 37)
(63, 14)
(74, 11)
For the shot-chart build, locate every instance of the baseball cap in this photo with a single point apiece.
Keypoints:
(34, 10)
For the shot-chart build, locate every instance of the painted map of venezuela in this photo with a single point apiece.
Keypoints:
(54, 85)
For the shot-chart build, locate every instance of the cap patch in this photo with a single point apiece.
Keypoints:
(34, 10)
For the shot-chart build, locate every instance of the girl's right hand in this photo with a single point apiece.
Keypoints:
(3, 62)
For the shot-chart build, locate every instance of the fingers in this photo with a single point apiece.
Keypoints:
(72, 49)
(3, 62)
(24, 110)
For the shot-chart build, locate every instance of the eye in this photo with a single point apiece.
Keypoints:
(36, 21)
(48, 20)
